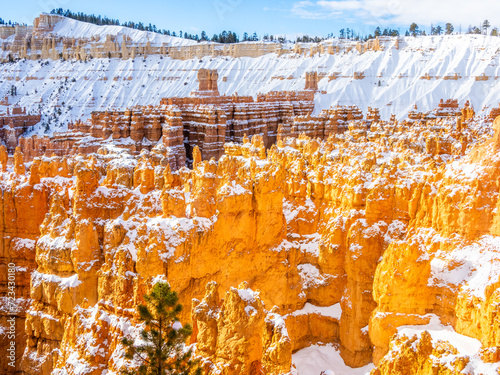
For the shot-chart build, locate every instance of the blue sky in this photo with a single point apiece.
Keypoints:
(274, 17)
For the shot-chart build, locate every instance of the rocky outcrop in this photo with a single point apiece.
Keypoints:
(312, 81)
(24, 203)
(207, 81)
(238, 336)
(12, 125)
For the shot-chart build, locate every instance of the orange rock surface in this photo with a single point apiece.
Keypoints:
(383, 222)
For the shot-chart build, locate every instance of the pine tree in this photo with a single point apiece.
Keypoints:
(161, 350)
(475, 30)
(449, 28)
(414, 29)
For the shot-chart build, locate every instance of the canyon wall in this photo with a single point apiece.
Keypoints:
(42, 41)
(68, 91)
(205, 120)
(381, 225)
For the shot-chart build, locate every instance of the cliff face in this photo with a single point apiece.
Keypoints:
(22, 210)
(448, 262)
(339, 241)
(56, 37)
(55, 80)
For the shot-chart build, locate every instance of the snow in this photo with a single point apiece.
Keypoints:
(472, 267)
(317, 358)
(78, 365)
(64, 282)
(439, 331)
(232, 189)
(104, 83)
(458, 170)
(250, 310)
(334, 311)
(247, 295)
(310, 276)
(24, 243)
(177, 325)
(89, 342)
(159, 279)
(71, 28)
(309, 244)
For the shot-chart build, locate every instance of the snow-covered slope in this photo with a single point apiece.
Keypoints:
(71, 28)
(392, 77)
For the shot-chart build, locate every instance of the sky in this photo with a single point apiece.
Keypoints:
(271, 17)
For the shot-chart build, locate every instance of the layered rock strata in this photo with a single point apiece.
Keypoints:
(13, 125)
(41, 41)
(205, 121)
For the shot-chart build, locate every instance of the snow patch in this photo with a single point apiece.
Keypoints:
(317, 358)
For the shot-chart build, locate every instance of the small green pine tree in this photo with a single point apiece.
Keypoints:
(161, 350)
(449, 28)
(414, 31)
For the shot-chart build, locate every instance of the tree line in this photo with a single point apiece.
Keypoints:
(223, 37)
(232, 37)
(414, 29)
(3, 22)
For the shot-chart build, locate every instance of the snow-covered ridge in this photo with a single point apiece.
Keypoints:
(393, 78)
(70, 28)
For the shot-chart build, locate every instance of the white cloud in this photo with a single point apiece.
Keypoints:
(310, 10)
(423, 12)
(340, 5)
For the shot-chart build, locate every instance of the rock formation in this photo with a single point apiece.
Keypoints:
(207, 79)
(378, 226)
(281, 227)
(12, 125)
(205, 120)
(311, 81)
(237, 336)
